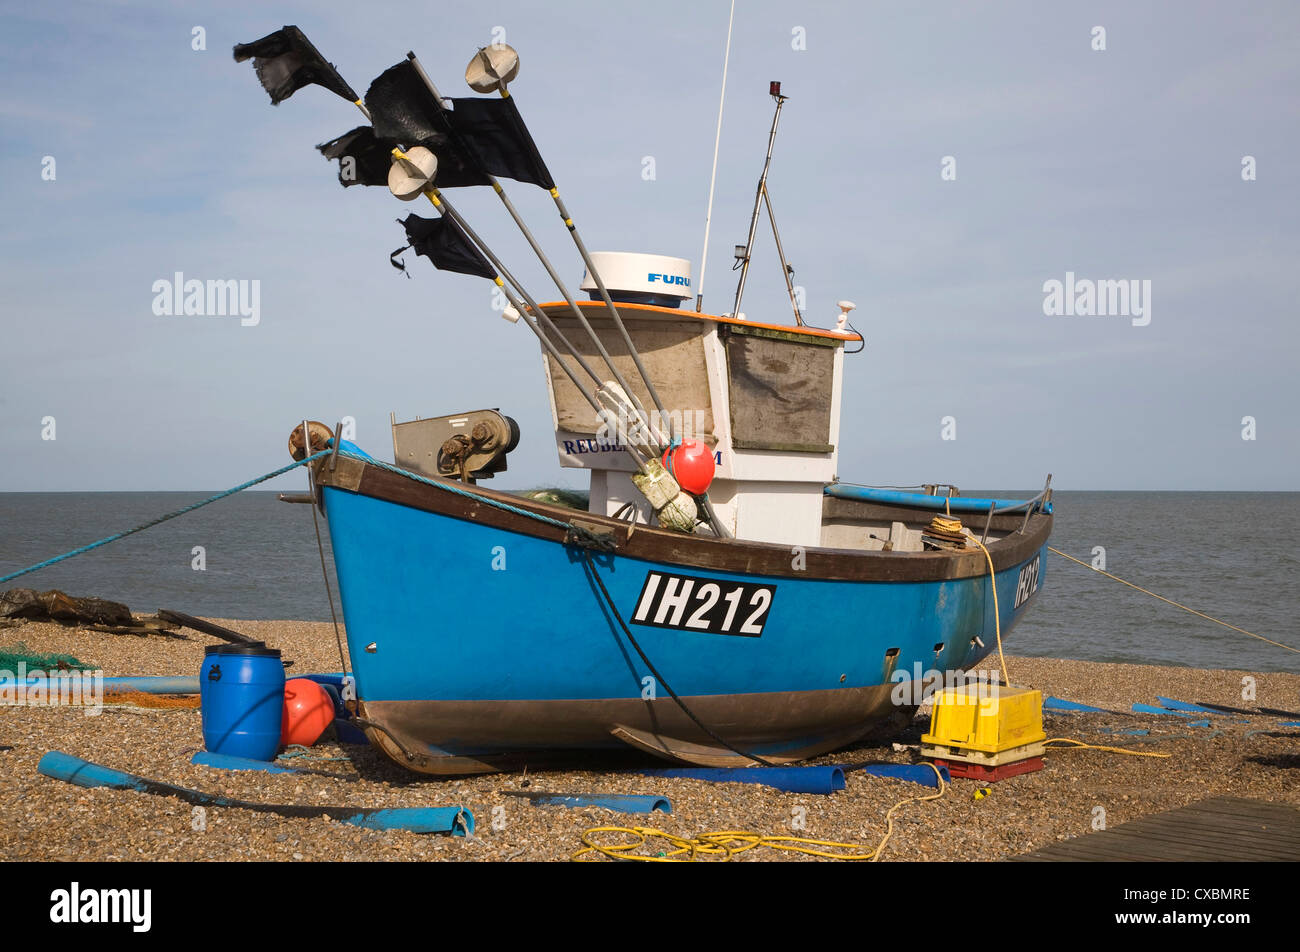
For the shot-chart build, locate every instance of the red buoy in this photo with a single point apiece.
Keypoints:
(691, 464)
(308, 710)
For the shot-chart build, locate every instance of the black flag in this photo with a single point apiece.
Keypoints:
(494, 132)
(286, 61)
(402, 109)
(364, 158)
(442, 242)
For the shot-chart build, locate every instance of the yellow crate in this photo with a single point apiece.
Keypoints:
(984, 717)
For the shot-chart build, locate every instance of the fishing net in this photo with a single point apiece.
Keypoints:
(570, 498)
(12, 655)
(142, 699)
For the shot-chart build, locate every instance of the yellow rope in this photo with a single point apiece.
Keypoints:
(727, 843)
(954, 526)
(1080, 745)
(946, 525)
(1174, 603)
(997, 618)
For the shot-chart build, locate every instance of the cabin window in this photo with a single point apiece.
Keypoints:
(781, 389)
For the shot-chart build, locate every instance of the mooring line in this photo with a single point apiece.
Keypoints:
(609, 601)
(1170, 601)
(153, 522)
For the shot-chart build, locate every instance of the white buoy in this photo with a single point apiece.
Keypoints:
(411, 176)
(492, 68)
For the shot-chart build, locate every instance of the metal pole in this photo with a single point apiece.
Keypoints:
(537, 250)
(758, 201)
(785, 266)
(444, 207)
(609, 304)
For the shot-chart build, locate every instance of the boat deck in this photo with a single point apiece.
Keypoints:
(1220, 829)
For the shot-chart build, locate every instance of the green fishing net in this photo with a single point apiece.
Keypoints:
(11, 655)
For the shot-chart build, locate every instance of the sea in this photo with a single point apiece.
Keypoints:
(1230, 555)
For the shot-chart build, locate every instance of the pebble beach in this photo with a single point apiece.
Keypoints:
(45, 819)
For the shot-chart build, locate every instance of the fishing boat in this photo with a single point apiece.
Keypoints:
(724, 598)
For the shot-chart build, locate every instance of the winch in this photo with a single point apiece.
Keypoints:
(465, 446)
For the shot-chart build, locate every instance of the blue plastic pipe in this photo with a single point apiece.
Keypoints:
(145, 685)
(620, 802)
(916, 773)
(823, 780)
(166, 684)
(454, 820)
(1173, 705)
(1063, 706)
(974, 504)
(1184, 706)
(1152, 709)
(207, 758)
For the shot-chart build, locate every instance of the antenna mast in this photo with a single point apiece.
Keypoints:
(744, 254)
(713, 177)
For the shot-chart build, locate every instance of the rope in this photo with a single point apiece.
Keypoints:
(1170, 601)
(655, 671)
(329, 593)
(160, 519)
(997, 616)
(591, 567)
(1080, 745)
(948, 526)
(728, 843)
(448, 487)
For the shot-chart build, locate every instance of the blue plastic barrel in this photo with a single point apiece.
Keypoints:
(241, 689)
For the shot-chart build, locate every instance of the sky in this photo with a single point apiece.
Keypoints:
(1122, 163)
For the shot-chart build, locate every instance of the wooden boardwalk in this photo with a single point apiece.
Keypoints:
(1221, 830)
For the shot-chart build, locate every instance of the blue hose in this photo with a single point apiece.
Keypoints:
(821, 780)
(916, 773)
(454, 820)
(620, 802)
(207, 758)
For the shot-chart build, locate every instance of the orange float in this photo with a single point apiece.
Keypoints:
(308, 711)
(691, 464)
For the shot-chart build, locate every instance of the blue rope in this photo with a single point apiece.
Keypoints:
(153, 522)
(452, 488)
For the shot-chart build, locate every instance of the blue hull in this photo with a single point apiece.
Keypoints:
(474, 642)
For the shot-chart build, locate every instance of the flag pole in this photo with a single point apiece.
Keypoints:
(550, 270)
(514, 302)
(604, 294)
(505, 281)
(281, 59)
(445, 208)
(497, 79)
